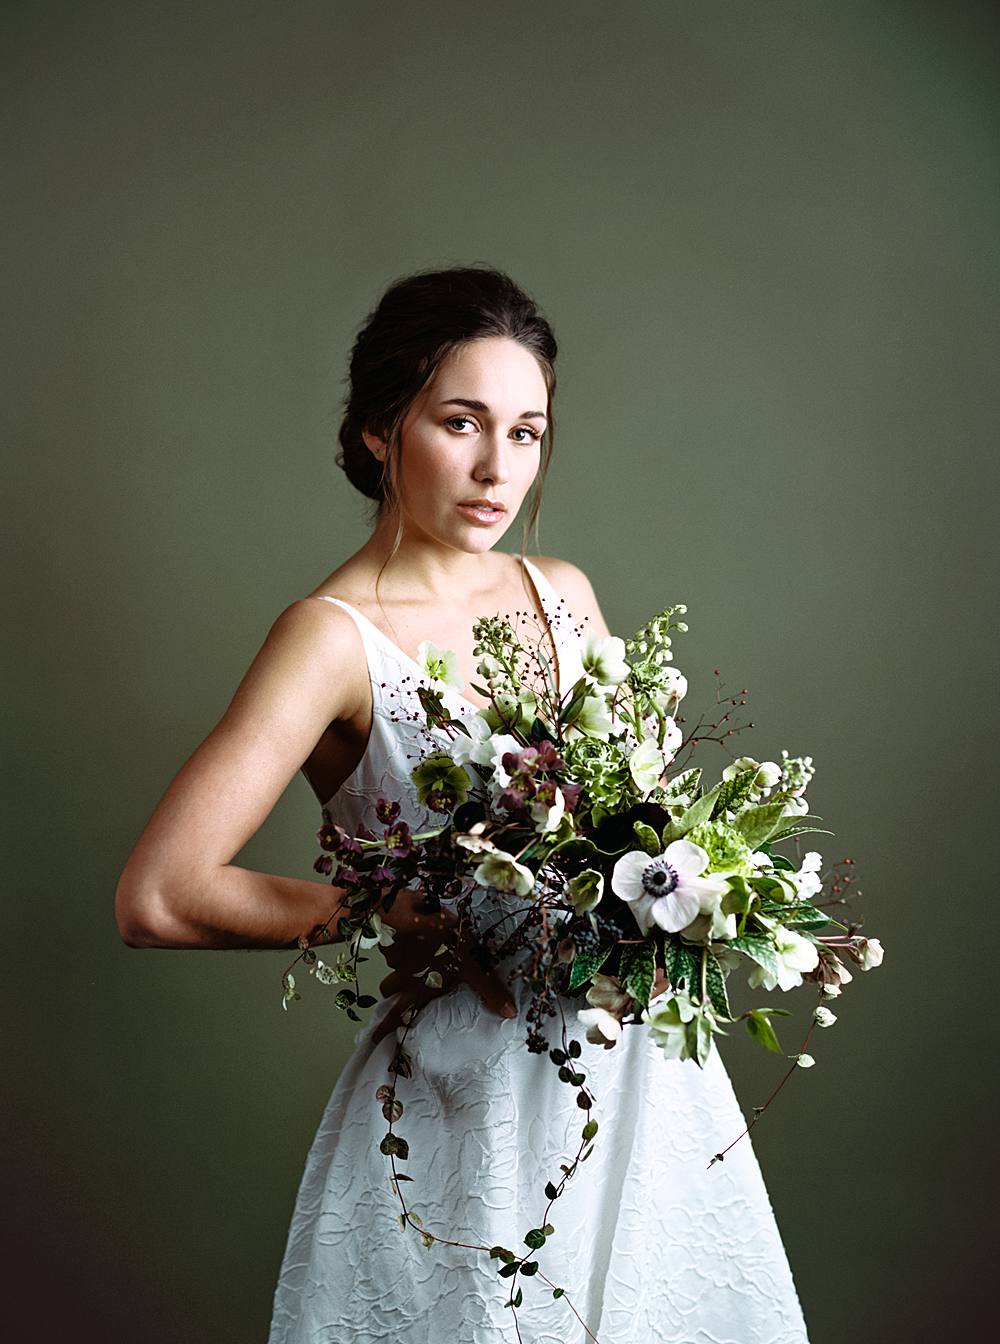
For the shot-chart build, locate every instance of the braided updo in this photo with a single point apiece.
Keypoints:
(417, 322)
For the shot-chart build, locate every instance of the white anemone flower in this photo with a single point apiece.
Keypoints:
(439, 664)
(604, 658)
(603, 1028)
(795, 954)
(646, 765)
(668, 889)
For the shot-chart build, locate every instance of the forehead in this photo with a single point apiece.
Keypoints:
(494, 364)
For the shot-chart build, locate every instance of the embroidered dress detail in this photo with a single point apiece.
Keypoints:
(650, 1243)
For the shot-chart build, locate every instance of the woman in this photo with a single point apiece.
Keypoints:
(448, 427)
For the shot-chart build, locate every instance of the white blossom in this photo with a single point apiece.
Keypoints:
(794, 953)
(668, 889)
(603, 658)
(547, 816)
(646, 765)
(440, 665)
(503, 872)
(603, 1028)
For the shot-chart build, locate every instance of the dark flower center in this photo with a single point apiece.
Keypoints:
(659, 878)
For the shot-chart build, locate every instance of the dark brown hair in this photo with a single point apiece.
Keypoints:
(417, 322)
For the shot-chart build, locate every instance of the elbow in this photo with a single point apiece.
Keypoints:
(139, 914)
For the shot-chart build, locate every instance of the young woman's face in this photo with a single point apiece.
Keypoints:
(474, 434)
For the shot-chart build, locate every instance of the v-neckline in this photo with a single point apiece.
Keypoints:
(527, 567)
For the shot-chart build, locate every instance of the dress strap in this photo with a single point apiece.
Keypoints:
(370, 646)
(560, 621)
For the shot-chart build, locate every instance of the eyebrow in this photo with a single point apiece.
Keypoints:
(481, 406)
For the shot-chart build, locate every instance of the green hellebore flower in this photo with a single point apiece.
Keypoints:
(441, 784)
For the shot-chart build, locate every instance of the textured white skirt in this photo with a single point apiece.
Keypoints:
(650, 1244)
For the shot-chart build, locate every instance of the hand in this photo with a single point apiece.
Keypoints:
(412, 951)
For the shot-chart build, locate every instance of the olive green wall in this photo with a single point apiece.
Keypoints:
(766, 235)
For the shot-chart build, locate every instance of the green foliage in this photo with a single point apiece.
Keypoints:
(757, 824)
(804, 917)
(647, 838)
(637, 970)
(393, 1145)
(734, 792)
(586, 964)
(684, 783)
(739, 898)
(681, 960)
(797, 826)
(697, 813)
(761, 1030)
(759, 948)
(703, 1038)
(715, 983)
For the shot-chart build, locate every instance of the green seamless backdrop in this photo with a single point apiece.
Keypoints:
(766, 235)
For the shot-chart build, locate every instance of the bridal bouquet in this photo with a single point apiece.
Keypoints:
(612, 875)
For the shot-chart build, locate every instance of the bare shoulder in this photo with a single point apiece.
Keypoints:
(570, 582)
(316, 644)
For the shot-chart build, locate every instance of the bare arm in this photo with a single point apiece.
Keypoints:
(179, 888)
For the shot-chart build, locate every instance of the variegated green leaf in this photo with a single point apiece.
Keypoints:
(586, 964)
(715, 983)
(681, 960)
(638, 970)
(734, 792)
(759, 948)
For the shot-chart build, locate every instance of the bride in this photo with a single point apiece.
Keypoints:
(448, 428)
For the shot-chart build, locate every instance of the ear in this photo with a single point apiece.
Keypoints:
(375, 445)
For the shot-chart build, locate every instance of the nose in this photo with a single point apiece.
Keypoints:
(492, 464)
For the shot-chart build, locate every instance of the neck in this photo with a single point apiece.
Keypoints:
(423, 570)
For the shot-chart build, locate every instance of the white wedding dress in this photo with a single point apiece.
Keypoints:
(650, 1244)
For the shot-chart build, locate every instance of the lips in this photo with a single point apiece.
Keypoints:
(483, 504)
